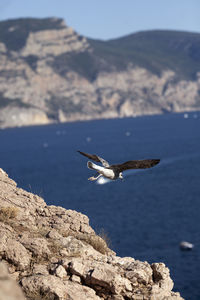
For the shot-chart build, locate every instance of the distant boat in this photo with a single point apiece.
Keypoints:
(195, 116)
(127, 133)
(185, 116)
(186, 246)
(45, 145)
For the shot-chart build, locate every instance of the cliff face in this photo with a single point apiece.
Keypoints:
(53, 253)
(49, 73)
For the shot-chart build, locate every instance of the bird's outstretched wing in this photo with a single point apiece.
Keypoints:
(96, 158)
(136, 164)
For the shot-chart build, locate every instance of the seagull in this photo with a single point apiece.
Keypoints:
(114, 172)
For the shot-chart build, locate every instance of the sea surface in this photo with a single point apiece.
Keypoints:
(147, 214)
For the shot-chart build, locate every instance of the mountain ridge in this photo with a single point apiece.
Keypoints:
(49, 73)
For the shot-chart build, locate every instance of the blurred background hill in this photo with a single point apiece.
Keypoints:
(50, 73)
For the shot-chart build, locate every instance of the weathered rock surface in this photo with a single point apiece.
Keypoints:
(49, 73)
(9, 289)
(53, 253)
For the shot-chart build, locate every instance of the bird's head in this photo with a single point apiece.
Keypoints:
(121, 176)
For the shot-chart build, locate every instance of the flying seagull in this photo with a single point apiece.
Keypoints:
(114, 172)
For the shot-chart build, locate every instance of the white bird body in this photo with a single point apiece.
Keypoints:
(108, 173)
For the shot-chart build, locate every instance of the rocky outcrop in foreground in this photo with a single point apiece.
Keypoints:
(49, 73)
(53, 253)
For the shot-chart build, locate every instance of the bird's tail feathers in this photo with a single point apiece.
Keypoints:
(90, 165)
(93, 166)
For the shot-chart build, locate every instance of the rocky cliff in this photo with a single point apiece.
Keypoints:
(49, 73)
(53, 253)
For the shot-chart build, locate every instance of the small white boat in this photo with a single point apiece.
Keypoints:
(186, 245)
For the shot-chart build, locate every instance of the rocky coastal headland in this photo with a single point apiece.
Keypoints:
(49, 73)
(48, 252)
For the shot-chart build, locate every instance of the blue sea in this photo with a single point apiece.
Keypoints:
(147, 214)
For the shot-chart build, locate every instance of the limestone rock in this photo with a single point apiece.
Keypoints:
(53, 42)
(2, 48)
(40, 269)
(76, 291)
(38, 246)
(17, 116)
(16, 253)
(60, 272)
(38, 286)
(9, 290)
(54, 254)
(140, 272)
(161, 277)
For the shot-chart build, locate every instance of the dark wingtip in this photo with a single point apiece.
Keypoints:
(156, 161)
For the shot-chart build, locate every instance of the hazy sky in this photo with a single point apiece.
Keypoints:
(104, 19)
